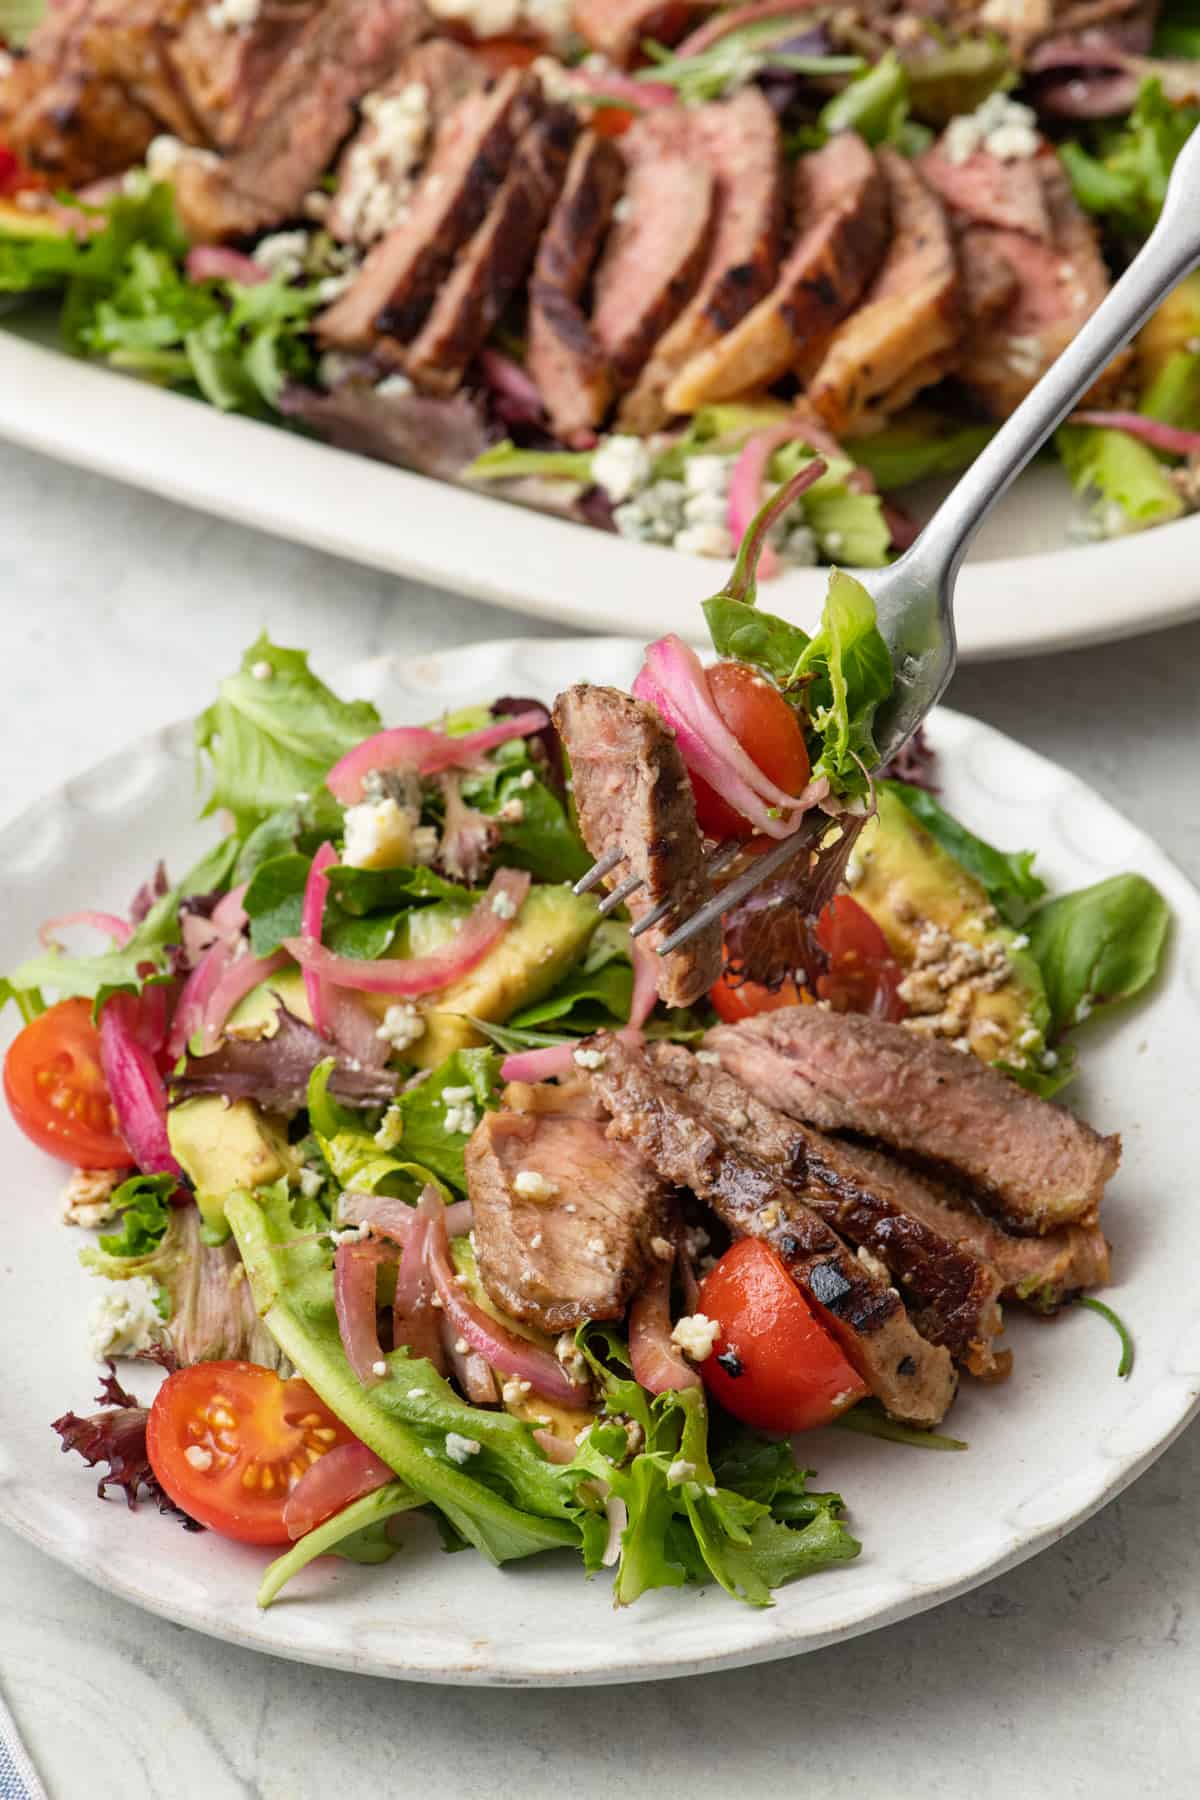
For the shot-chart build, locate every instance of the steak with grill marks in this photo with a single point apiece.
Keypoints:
(842, 208)
(492, 266)
(740, 139)
(902, 337)
(1032, 1163)
(226, 75)
(632, 790)
(304, 112)
(583, 1250)
(913, 1378)
(564, 359)
(656, 253)
(403, 272)
(988, 191)
(952, 1292)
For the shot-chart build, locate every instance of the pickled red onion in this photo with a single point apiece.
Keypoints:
(1171, 438)
(345, 1473)
(426, 751)
(135, 1087)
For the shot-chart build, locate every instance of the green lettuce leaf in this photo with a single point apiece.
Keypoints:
(505, 462)
(850, 669)
(144, 1202)
(1124, 177)
(750, 635)
(1121, 481)
(849, 526)
(736, 59)
(358, 1532)
(1006, 876)
(40, 256)
(413, 1145)
(112, 971)
(877, 106)
(916, 445)
(1099, 945)
(266, 742)
(18, 18)
(543, 838)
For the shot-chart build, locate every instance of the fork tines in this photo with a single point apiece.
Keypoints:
(720, 859)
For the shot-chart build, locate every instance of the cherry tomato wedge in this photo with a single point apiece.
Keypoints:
(749, 998)
(775, 1366)
(228, 1442)
(55, 1089)
(864, 976)
(767, 729)
(499, 54)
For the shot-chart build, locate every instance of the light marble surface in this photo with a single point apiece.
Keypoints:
(1074, 1675)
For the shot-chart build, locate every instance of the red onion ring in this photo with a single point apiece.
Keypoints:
(748, 480)
(312, 917)
(539, 1065)
(1171, 438)
(557, 1449)
(108, 923)
(394, 1219)
(500, 1348)
(482, 928)
(705, 36)
(657, 1365)
(427, 752)
(355, 1266)
(135, 1087)
(198, 990)
(472, 1373)
(341, 1475)
(212, 262)
(416, 1322)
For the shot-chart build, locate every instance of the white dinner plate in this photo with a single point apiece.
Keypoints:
(1026, 587)
(1046, 1449)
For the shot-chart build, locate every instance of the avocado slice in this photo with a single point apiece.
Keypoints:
(1167, 360)
(547, 936)
(964, 966)
(256, 1015)
(222, 1147)
(23, 222)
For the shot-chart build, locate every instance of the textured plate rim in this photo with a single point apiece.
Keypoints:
(1009, 1548)
(366, 512)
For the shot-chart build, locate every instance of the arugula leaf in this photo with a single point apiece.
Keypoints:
(1098, 945)
(144, 1202)
(1121, 481)
(268, 741)
(1125, 181)
(112, 971)
(851, 671)
(1006, 876)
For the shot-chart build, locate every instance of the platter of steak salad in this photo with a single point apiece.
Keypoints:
(715, 1302)
(611, 268)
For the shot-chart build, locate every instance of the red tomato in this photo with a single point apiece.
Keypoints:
(611, 121)
(864, 976)
(767, 729)
(775, 1366)
(228, 1442)
(749, 998)
(499, 54)
(55, 1089)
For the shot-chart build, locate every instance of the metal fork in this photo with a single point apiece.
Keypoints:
(914, 596)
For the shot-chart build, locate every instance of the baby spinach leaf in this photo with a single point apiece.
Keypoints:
(1098, 945)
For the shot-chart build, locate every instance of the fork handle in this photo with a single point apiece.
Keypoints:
(1172, 249)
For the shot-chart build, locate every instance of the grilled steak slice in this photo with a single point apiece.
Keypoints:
(94, 87)
(842, 204)
(347, 48)
(632, 790)
(914, 1379)
(403, 272)
(373, 183)
(1034, 1164)
(655, 255)
(953, 1292)
(492, 266)
(1058, 284)
(903, 335)
(584, 1250)
(988, 191)
(225, 74)
(617, 28)
(565, 360)
(740, 140)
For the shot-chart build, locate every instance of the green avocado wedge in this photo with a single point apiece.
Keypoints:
(509, 1502)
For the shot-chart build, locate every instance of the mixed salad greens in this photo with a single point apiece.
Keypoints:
(269, 1081)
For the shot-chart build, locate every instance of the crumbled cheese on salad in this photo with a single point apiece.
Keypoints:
(379, 835)
(87, 1197)
(1001, 126)
(662, 1248)
(462, 1117)
(402, 1025)
(394, 387)
(124, 1320)
(379, 1368)
(283, 254)
(590, 1059)
(621, 466)
(679, 1471)
(696, 1334)
(261, 670)
(548, 19)
(461, 1449)
(692, 514)
(377, 177)
(504, 906)
(234, 15)
(532, 1186)
(312, 1180)
(512, 812)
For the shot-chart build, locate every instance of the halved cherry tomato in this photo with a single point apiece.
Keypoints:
(775, 1366)
(864, 976)
(56, 1092)
(228, 1442)
(499, 54)
(749, 998)
(611, 121)
(767, 729)
(14, 174)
